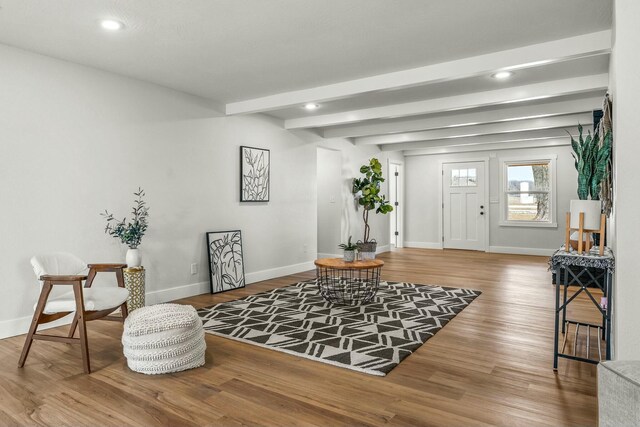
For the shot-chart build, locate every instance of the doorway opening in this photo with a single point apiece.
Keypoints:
(396, 198)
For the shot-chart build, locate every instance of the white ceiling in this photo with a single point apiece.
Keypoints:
(554, 71)
(239, 50)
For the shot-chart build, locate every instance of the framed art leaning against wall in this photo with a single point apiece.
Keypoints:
(226, 264)
(255, 170)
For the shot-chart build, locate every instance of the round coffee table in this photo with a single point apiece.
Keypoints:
(348, 283)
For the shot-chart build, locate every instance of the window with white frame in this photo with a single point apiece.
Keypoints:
(528, 192)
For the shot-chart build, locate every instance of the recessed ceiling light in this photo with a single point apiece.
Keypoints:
(502, 75)
(311, 106)
(111, 24)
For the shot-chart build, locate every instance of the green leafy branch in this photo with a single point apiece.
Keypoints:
(348, 246)
(130, 233)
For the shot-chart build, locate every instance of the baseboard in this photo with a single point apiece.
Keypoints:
(423, 245)
(521, 251)
(259, 276)
(20, 325)
(177, 292)
(383, 248)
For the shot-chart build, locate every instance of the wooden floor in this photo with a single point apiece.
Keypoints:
(491, 365)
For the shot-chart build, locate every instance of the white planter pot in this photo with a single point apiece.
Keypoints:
(134, 259)
(349, 256)
(575, 236)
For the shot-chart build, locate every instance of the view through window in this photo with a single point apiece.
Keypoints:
(528, 191)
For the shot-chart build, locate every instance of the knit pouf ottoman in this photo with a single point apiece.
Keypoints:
(163, 338)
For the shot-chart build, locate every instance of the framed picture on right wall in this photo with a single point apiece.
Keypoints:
(255, 170)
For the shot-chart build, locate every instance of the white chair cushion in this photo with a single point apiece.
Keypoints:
(59, 264)
(95, 299)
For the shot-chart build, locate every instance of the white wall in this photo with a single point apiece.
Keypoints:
(351, 219)
(422, 209)
(625, 91)
(330, 202)
(76, 141)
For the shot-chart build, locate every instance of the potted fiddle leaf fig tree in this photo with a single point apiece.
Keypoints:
(349, 250)
(130, 233)
(367, 192)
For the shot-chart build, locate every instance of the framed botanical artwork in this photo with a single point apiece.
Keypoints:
(255, 165)
(226, 265)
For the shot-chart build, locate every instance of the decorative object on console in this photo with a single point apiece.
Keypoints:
(591, 159)
(605, 127)
(349, 250)
(367, 192)
(372, 338)
(255, 167)
(226, 265)
(164, 338)
(130, 233)
(585, 218)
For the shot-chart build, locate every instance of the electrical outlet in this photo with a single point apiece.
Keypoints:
(194, 268)
(304, 248)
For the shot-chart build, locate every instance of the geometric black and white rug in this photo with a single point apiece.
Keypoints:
(372, 338)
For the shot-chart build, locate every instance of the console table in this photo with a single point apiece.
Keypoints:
(582, 270)
(348, 283)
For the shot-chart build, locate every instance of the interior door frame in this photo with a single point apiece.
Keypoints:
(400, 196)
(487, 211)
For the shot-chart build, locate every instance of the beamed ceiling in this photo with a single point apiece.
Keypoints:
(409, 75)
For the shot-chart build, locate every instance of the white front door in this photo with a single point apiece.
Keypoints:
(464, 205)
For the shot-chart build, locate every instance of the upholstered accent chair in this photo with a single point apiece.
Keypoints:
(87, 303)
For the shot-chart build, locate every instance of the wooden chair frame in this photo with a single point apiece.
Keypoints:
(81, 317)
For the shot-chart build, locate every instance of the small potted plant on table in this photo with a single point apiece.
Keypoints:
(349, 250)
(130, 233)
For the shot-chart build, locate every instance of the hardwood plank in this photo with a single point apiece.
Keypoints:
(491, 365)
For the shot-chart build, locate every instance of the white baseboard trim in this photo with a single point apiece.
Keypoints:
(259, 276)
(382, 249)
(176, 292)
(423, 245)
(521, 251)
(20, 325)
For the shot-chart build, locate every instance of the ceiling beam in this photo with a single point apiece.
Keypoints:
(494, 115)
(532, 143)
(518, 58)
(515, 94)
(555, 122)
(483, 139)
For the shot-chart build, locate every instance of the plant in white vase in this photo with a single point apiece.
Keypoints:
(349, 250)
(592, 154)
(130, 233)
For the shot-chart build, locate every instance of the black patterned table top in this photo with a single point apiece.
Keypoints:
(562, 258)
